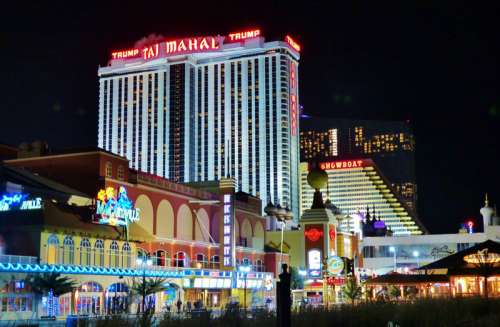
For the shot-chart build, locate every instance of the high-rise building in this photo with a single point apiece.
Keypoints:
(389, 143)
(203, 108)
(355, 186)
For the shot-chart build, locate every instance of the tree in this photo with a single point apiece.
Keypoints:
(146, 286)
(395, 292)
(41, 284)
(297, 281)
(352, 290)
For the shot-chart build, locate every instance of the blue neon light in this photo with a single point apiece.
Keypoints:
(19, 201)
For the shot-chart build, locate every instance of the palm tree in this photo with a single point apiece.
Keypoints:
(352, 290)
(147, 286)
(41, 284)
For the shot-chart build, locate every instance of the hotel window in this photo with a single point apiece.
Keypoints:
(214, 262)
(259, 265)
(68, 250)
(126, 255)
(109, 169)
(52, 249)
(114, 258)
(201, 258)
(161, 258)
(180, 260)
(99, 253)
(85, 252)
(121, 173)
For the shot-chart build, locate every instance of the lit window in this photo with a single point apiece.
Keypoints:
(109, 169)
(121, 173)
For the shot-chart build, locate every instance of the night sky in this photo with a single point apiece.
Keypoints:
(434, 63)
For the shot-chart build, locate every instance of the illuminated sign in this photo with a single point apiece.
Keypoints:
(243, 35)
(194, 44)
(19, 201)
(115, 209)
(268, 283)
(334, 265)
(313, 234)
(341, 164)
(314, 259)
(228, 231)
(292, 43)
(293, 100)
(212, 283)
(147, 52)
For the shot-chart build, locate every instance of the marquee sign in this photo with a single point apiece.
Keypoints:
(341, 164)
(228, 231)
(191, 45)
(19, 201)
(115, 209)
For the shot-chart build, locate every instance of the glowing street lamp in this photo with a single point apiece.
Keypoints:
(392, 249)
(416, 254)
(245, 270)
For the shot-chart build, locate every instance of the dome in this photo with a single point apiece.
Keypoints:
(317, 178)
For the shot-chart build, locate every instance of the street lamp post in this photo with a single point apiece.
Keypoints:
(392, 249)
(144, 263)
(245, 270)
(416, 254)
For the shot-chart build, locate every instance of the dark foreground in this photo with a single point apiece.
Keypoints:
(439, 312)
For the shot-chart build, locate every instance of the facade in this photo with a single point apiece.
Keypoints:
(390, 144)
(203, 108)
(90, 217)
(355, 185)
(410, 252)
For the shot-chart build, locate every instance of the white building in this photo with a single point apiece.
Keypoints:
(384, 254)
(202, 108)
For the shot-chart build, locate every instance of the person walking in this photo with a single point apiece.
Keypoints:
(179, 305)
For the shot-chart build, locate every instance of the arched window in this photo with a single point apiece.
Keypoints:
(85, 252)
(68, 250)
(161, 258)
(202, 259)
(114, 256)
(214, 262)
(99, 253)
(120, 174)
(181, 260)
(52, 249)
(109, 169)
(126, 255)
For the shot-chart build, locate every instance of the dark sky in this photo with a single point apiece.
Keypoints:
(434, 63)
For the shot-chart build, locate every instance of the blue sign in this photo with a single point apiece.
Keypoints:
(19, 201)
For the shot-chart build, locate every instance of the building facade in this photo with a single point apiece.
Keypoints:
(204, 108)
(390, 144)
(357, 185)
(90, 217)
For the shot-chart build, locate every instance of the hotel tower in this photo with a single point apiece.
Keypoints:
(203, 108)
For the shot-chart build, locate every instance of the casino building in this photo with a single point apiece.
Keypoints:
(90, 217)
(202, 108)
(355, 185)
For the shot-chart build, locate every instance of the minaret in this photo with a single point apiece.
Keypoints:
(487, 213)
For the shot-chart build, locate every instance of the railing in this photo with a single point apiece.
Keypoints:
(6, 258)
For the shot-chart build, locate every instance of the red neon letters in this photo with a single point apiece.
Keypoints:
(293, 100)
(313, 234)
(341, 164)
(148, 52)
(292, 43)
(243, 35)
(125, 54)
(193, 44)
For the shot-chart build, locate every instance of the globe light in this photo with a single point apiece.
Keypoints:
(139, 261)
(392, 249)
(416, 254)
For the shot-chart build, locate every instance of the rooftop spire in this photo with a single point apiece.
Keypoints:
(486, 200)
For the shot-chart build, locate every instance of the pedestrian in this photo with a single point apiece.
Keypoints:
(179, 305)
(189, 306)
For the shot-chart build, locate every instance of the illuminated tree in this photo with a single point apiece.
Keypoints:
(352, 290)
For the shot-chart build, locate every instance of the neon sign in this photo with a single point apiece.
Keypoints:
(243, 35)
(334, 265)
(115, 210)
(313, 234)
(147, 52)
(19, 201)
(341, 164)
(292, 43)
(314, 262)
(193, 44)
(293, 100)
(228, 231)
